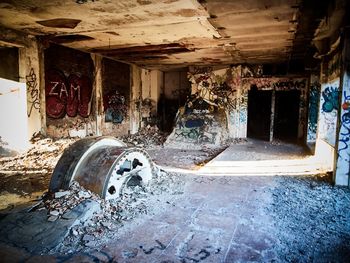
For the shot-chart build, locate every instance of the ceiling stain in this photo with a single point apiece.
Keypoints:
(112, 33)
(186, 12)
(144, 2)
(60, 23)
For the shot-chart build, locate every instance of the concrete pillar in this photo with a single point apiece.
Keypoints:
(135, 98)
(272, 116)
(31, 73)
(343, 139)
(151, 86)
(97, 92)
(156, 86)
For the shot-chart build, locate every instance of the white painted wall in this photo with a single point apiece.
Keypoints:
(13, 115)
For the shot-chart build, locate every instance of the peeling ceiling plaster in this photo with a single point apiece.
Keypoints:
(141, 31)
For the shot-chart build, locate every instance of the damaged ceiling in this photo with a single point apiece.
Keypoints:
(171, 33)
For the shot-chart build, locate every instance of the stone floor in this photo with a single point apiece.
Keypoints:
(229, 219)
(217, 218)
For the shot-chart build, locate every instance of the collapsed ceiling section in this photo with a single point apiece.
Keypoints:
(164, 34)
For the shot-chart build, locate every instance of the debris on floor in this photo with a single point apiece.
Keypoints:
(134, 202)
(312, 220)
(43, 156)
(182, 158)
(146, 137)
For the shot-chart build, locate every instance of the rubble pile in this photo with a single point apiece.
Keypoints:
(42, 156)
(111, 214)
(146, 137)
(311, 219)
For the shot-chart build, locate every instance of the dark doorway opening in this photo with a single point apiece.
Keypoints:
(286, 115)
(259, 114)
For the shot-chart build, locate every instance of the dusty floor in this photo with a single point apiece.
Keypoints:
(220, 219)
(184, 218)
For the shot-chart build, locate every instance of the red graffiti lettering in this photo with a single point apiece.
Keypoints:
(55, 84)
(70, 96)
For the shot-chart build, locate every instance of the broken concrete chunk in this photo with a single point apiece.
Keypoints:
(88, 238)
(61, 194)
(52, 218)
(54, 213)
(107, 225)
(83, 194)
(74, 232)
(91, 244)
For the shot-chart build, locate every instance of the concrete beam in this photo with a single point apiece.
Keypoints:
(13, 38)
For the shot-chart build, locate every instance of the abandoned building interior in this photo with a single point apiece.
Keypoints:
(175, 131)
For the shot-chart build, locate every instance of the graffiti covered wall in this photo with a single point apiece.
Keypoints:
(116, 97)
(343, 162)
(228, 89)
(314, 101)
(328, 113)
(69, 96)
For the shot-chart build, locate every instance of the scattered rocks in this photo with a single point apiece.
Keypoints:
(311, 217)
(61, 194)
(103, 218)
(43, 156)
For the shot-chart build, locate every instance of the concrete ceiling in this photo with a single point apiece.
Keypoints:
(164, 33)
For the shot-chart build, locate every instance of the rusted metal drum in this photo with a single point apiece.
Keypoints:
(102, 165)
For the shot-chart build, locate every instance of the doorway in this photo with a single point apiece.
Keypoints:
(259, 114)
(286, 120)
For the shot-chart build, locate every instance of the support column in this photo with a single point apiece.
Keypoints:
(135, 99)
(343, 139)
(97, 88)
(272, 118)
(156, 86)
(31, 72)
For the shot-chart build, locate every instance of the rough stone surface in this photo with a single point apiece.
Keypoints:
(216, 219)
(35, 233)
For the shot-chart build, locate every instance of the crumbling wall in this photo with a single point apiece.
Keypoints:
(116, 98)
(69, 76)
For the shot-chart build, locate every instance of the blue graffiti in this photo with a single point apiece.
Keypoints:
(344, 129)
(313, 107)
(330, 96)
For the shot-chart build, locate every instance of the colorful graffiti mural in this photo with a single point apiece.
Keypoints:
(115, 107)
(71, 96)
(199, 122)
(343, 161)
(314, 99)
(228, 89)
(330, 99)
(328, 113)
(213, 88)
